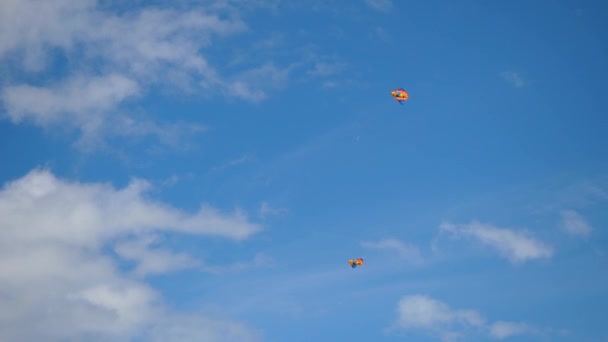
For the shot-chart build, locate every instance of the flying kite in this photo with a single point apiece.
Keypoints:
(355, 262)
(400, 95)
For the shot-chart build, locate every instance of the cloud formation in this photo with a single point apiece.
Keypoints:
(140, 41)
(573, 223)
(513, 78)
(502, 330)
(380, 5)
(424, 313)
(420, 311)
(108, 58)
(267, 210)
(58, 280)
(517, 246)
(405, 251)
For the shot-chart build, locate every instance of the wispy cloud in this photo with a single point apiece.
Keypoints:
(381, 34)
(380, 5)
(502, 330)
(517, 246)
(573, 223)
(200, 328)
(421, 312)
(308, 62)
(138, 40)
(107, 211)
(553, 196)
(232, 163)
(252, 85)
(513, 78)
(259, 260)
(58, 233)
(428, 314)
(267, 210)
(582, 194)
(78, 99)
(330, 84)
(81, 102)
(151, 260)
(133, 52)
(326, 69)
(408, 252)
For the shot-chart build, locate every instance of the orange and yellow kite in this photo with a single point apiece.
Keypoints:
(355, 262)
(400, 95)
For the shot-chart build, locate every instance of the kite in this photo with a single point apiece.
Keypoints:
(355, 262)
(400, 95)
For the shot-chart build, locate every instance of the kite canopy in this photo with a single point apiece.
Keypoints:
(355, 262)
(400, 95)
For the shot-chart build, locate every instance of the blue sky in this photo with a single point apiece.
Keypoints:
(203, 170)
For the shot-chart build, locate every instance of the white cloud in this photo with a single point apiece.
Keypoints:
(513, 78)
(79, 100)
(403, 250)
(266, 209)
(253, 84)
(131, 52)
(232, 163)
(419, 311)
(153, 261)
(198, 328)
(32, 27)
(380, 5)
(424, 313)
(88, 104)
(56, 278)
(579, 194)
(330, 84)
(157, 260)
(259, 260)
(137, 39)
(381, 34)
(592, 192)
(501, 329)
(428, 314)
(63, 208)
(326, 69)
(573, 223)
(517, 246)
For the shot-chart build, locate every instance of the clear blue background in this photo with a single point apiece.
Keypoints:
(349, 164)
